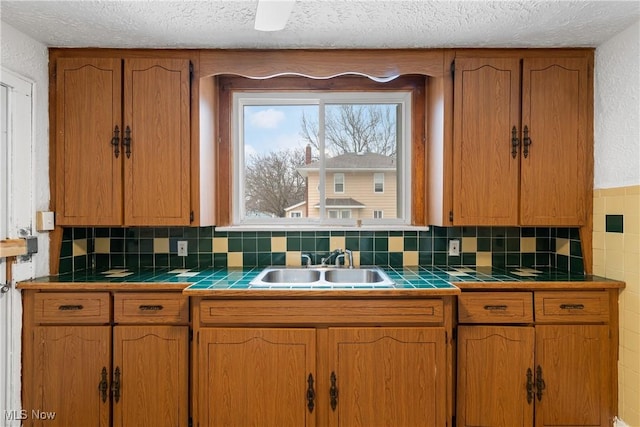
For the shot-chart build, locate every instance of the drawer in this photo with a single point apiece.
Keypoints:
(495, 307)
(145, 307)
(72, 307)
(322, 312)
(573, 307)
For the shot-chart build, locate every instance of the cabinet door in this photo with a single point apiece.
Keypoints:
(492, 376)
(555, 103)
(153, 370)
(575, 367)
(486, 109)
(67, 373)
(252, 377)
(388, 376)
(156, 111)
(88, 173)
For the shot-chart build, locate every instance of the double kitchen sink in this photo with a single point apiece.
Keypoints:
(322, 277)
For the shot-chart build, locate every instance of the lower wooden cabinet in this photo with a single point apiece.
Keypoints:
(83, 365)
(70, 363)
(553, 371)
(251, 375)
(387, 376)
(318, 372)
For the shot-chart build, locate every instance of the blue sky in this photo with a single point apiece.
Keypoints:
(273, 128)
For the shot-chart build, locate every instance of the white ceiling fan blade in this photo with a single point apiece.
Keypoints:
(272, 15)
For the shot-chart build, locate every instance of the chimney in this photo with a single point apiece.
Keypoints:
(307, 154)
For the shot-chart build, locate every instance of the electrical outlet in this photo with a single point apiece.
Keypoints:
(454, 247)
(182, 248)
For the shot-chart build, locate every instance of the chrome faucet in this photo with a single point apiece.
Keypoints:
(308, 258)
(336, 253)
(349, 254)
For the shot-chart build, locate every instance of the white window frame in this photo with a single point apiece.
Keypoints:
(295, 214)
(378, 214)
(340, 213)
(336, 182)
(380, 181)
(321, 98)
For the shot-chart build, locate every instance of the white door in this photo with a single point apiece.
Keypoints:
(16, 213)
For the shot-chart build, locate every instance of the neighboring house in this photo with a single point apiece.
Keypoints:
(357, 186)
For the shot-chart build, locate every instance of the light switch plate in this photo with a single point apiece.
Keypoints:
(182, 248)
(45, 221)
(454, 247)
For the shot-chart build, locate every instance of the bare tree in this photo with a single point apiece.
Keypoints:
(272, 182)
(354, 128)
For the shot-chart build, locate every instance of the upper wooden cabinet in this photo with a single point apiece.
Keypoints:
(122, 142)
(520, 141)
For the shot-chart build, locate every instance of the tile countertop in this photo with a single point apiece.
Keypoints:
(410, 281)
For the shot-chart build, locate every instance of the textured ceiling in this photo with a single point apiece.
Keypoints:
(321, 23)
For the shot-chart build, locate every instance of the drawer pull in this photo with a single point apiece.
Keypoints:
(495, 307)
(150, 307)
(70, 307)
(572, 306)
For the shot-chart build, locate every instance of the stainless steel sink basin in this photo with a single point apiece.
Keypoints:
(291, 275)
(355, 275)
(313, 277)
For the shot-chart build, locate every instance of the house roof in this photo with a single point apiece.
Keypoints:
(346, 202)
(353, 162)
(297, 205)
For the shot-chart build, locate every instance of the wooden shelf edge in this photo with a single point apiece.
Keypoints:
(12, 247)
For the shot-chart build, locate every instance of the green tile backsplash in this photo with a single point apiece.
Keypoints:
(84, 248)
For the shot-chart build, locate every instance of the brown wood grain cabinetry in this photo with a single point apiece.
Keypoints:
(521, 141)
(542, 372)
(323, 368)
(252, 376)
(122, 142)
(103, 368)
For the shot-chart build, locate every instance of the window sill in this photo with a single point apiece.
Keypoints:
(316, 227)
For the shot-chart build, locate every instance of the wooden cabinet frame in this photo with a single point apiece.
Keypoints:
(347, 323)
(566, 352)
(76, 340)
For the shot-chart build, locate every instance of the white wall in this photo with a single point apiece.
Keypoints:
(28, 191)
(29, 58)
(617, 110)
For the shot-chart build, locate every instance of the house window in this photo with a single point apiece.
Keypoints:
(378, 182)
(339, 213)
(298, 149)
(338, 183)
(295, 214)
(378, 214)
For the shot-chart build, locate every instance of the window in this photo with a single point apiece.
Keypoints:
(377, 214)
(298, 148)
(342, 213)
(378, 182)
(338, 183)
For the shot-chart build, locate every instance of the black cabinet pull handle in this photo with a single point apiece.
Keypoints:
(311, 394)
(540, 385)
(150, 307)
(70, 307)
(495, 307)
(115, 385)
(333, 392)
(515, 142)
(126, 141)
(526, 141)
(572, 306)
(102, 385)
(115, 141)
(530, 392)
